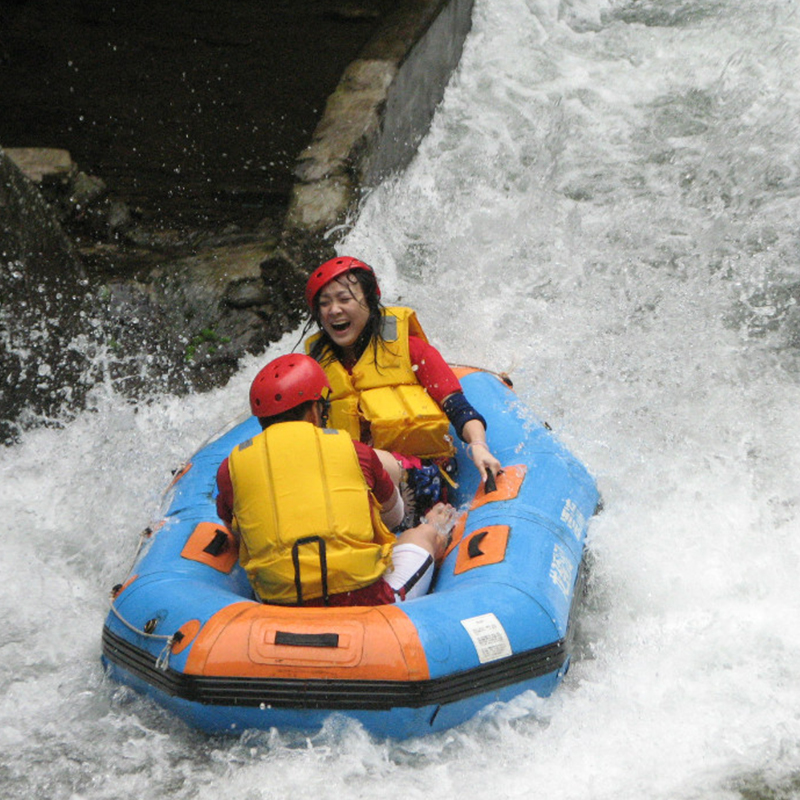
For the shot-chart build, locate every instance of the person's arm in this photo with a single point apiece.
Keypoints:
(433, 532)
(393, 510)
(474, 434)
(441, 383)
(432, 371)
(225, 493)
(381, 485)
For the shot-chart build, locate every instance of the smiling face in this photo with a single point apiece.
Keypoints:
(343, 311)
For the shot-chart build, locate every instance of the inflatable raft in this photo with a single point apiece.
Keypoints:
(185, 629)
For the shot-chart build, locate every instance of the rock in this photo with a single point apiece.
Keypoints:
(39, 164)
(246, 293)
(46, 307)
(352, 12)
(218, 290)
(86, 189)
(219, 305)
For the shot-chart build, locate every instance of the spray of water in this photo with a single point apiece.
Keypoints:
(606, 207)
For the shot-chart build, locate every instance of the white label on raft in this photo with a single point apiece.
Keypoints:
(488, 636)
(573, 518)
(561, 570)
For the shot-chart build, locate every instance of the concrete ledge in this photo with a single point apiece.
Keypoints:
(373, 122)
(39, 163)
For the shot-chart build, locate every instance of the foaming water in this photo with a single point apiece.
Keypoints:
(611, 206)
(605, 207)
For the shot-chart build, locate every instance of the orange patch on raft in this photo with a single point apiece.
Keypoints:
(189, 631)
(461, 370)
(457, 533)
(509, 482)
(124, 586)
(373, 643)
(179, 474)
(202, 536)
(489, 548)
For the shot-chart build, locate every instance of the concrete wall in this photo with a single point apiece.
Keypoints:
(374, 121)
(418, 89)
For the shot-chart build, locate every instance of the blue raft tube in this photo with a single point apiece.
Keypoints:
(185, 628)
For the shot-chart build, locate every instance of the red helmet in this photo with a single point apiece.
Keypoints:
(330, 270)
(285, 383)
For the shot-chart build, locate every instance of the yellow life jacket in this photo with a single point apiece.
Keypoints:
(385, 396)
(295, 481)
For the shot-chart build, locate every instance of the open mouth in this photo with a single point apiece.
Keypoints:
(340, 327)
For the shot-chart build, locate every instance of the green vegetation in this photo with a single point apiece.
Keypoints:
(207, 336)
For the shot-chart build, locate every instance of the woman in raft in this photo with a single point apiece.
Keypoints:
(390, 387)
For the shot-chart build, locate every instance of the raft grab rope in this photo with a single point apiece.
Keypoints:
(162, 661)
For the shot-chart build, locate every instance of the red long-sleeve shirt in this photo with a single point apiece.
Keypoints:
(433, 372)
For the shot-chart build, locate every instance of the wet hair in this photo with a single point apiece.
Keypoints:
(373, 328)
(294, 414)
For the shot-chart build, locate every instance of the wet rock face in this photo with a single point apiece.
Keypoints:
(173, 130)
(190, 223)
(61, 334)
(44, 306)
(182, 321)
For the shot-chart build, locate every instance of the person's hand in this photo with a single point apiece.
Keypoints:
(483, 459)
(442, 517)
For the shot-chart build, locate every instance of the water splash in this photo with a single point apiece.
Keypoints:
(605, 206)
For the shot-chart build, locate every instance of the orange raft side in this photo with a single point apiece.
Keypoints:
(461, 370)
(357, 643)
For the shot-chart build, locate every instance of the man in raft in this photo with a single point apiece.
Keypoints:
(312, 508)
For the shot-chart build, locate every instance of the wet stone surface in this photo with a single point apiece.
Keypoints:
(183, 121)
(191, 111)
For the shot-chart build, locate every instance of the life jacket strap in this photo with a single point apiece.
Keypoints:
(323, 565)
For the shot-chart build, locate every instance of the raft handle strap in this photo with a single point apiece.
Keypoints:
(323, 564)
(219, 544)
(290, 639)
(474, 546)
(491, 483)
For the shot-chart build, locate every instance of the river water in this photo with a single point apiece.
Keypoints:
(606, 207)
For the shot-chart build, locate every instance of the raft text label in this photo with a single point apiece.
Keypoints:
(572, 517)
(488, 636)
